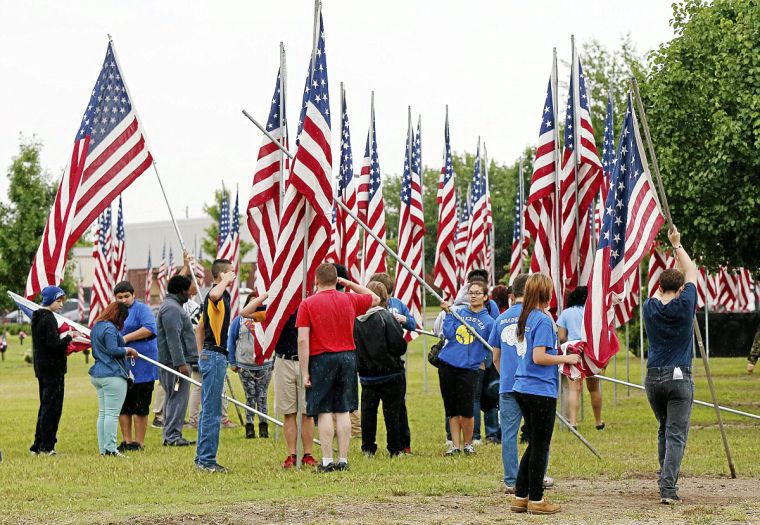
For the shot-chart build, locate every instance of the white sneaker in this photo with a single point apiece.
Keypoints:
(548, 482)
(449, 443)
(477, 442)
(469, 449)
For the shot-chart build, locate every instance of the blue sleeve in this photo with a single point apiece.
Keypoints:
(494, 338)
(543, 333)
(411, 323)
(562, 321)
(232, 341)
(688, 300)
(147, 319)
(493, 309)
(113, 342)
(450, 325)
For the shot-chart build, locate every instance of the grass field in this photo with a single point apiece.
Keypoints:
(160, 484)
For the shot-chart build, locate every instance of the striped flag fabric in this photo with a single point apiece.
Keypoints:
(119, 255)
(374, 254)
(162, 276)
(148, 279)
(263, 215)
(624, 310)
(171, 269)
(228, 246)
(411, 229)
(109, 153)
(519, 240)
(477, 244)
(577, 190)
(727, 292)
(307, 204)
(102, 283)
(658, 262)
(332, 252)
(80, 299)
(79, 343)
(632, 219)
(445, 270)
(347, 236)
(460, 241)
(745, 290)
(197, 266)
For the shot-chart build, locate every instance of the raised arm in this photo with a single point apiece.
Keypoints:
(250, 308)
(683, 261)
(358, 288)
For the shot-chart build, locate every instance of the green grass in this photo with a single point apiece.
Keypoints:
(80, 486)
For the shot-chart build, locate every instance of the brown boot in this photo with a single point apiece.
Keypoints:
(542, 507)
(519, 504)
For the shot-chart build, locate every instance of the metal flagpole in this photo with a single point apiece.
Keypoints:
(641, 330)
(575, 80)
(707, 322)
(422, 290)
(232, 395)
(282, 121)
(491, 246)
(627, 359)
(557, 269)
(697, 332)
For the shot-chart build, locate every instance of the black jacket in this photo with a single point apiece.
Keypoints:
(48, 348)
(379, 343)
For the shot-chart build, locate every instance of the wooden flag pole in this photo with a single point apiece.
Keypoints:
(697, 332)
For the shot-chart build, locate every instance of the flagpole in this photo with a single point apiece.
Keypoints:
(697, 332)
(554, 260)
(707, 321)
(627, 359)
(422, 290)
(282, 121)
(521, 189)
(408, 159)
(641, 330)
(491, 247)
(575, 79)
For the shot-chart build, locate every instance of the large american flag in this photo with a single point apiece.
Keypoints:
(632, 218)
(79, 343)
(102, 281)
(307, 204)
(264, 202)
(577, 190)
(162, 276)
(477, 236)
(411, 229)
(540, 208)
(519, 240)
(148, 279)
(109, 153)
(445, 270)
(119, 248)
(373, 260)
(347, 236)
(228, 247)
(460, 240)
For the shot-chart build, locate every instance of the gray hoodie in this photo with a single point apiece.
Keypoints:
(176, 337)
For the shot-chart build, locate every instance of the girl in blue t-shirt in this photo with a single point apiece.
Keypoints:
(536, 383)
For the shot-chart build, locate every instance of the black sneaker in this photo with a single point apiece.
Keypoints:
(123, 446)
(341, 465)
(216, 467)
(181, 442)
(671, 500)
(157, 423)
(321, 469)
(135, 446)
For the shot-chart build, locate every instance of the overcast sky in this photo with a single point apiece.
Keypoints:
(192, 66)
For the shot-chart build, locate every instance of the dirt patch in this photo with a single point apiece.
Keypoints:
(630, 501)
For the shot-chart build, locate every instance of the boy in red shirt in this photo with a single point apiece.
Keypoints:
(327, 356)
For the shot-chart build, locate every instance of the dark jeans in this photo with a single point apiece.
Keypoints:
(406, 434)
(490, 415)
(391, 393)
(671, 401)
(538, 413)
(49, 414)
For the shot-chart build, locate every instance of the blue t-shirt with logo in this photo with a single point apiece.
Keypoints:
(571, 319)
(395, 306)
(141, 316)
(531, 378)
(462, 349)
(504, 336)
(670, 329)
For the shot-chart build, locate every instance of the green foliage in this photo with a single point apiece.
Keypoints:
(209, 244)
(15, 328)
(30, 196)
(703, 104)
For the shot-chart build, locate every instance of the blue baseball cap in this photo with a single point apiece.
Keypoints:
(51, 294)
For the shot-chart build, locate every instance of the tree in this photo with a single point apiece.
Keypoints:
(30, 196)
(209, 244)
(703, 103)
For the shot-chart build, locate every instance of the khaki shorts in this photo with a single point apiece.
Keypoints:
(285, 386)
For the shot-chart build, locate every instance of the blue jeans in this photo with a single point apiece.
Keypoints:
(213, 366)
(510, 415)
(111, 393)
(671, 401)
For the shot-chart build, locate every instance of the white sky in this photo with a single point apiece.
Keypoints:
(192, 66)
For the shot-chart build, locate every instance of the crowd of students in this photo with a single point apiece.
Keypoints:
(345, 335)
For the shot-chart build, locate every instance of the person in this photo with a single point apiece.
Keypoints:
(254, 368)
(461, 356)
(49, 359)
(211, 335)
(501, 295)
(355, 417)
(22, 335)
(109, 374)
(290, 396)
(327, 358)
(380, 344)
(536, 384)
(139, 331)
(176, 349)
(754, 353)
(669, 384)
(570, 328)
(402, 314)
(4, 343)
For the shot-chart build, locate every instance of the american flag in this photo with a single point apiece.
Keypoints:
(347, 230)
(624, 310)
(374, 254)
(228, 247)
(577, 191)
(264, 202)
(519, 239)
(540, 208)
(77, 344)
(658, 262)
(745, 290)
(162, 276)
(727, 290)
(307, 204)
(460, 241)
(477, 236)
(148, 279)
(109, 153)
(411, 228)
(102, 282)
(632, 219)
(445, 270)
(119, 249)
(80, 299)
(171, 269)
(489, 223)
(332, 252)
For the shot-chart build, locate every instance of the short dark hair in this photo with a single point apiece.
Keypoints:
(326, 274)
(500, 295)
(671, 280)
(477, 273)
(518, 285)
(218, 267)
(577, 297)
(123, 287)
(178, 283)
(342, 272)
